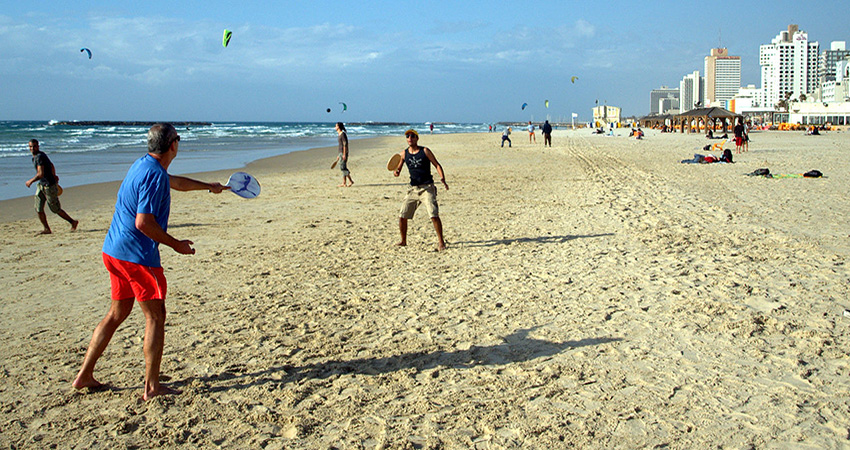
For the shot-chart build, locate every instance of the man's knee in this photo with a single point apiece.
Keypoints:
(154, 310)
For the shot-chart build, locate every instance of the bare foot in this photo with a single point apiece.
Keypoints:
(341, 185)
(74, 225)
(163, 390)
(401, 244)
(441, 247)
(45, 232)
(86, 382)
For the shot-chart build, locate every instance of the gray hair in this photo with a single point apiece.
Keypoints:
(160, 137)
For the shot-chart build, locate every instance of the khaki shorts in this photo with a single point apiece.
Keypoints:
(425, 193)
(47, 194)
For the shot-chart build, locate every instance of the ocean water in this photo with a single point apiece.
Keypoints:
(93, 154)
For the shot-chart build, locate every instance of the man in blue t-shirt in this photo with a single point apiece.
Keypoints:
(47, 190)
(131, 254)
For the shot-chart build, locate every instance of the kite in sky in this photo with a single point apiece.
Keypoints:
(86, 50)
(226, 38)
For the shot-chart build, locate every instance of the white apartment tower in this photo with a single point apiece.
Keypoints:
(691, 90)
(722, 77)
(789, 65)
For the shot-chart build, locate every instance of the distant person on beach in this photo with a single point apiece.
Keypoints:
(506, 136)
(547, 134)
(739, 136)
(432, 128)
(343, 155)
(422, 190)
(47, 190)
(531, 133)
(131, 255)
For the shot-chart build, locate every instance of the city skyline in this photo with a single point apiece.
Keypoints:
(394, 61)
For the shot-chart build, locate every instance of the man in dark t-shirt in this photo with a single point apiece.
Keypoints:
(422, 190)
(47, 190)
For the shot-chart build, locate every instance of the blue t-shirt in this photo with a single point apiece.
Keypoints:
(146, 190)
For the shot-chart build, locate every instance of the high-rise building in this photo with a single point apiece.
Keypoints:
(828, 59)
(663, 99)
(722, 77)
(691, 90)
(789, 66)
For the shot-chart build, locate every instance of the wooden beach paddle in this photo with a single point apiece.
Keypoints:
(334, 163)
(59, 190)
(393, 163)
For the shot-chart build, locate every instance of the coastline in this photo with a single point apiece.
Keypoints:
(93, 195)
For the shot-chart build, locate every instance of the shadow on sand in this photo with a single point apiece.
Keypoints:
(538, 240)
(517, 347)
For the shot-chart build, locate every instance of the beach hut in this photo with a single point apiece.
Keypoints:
(656, 121)
(705, 117)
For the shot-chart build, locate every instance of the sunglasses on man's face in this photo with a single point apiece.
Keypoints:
(410, 135)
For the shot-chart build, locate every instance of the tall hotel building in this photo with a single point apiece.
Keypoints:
(789, 65)
(722, 77)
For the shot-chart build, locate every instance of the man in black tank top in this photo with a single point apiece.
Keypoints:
(422, 190)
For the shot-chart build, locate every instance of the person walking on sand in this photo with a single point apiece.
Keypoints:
(506, 137)
(531, 133)
(739, 136)
(547, 134)
(131, 255)
(422, 190)
(47, 190)
(343, 155)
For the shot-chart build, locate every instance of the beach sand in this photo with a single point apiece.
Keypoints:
(597, 294)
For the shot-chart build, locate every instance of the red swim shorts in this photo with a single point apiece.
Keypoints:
(131, 280)
(739, 141)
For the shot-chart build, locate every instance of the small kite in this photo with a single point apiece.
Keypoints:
(573, 79)
(547, 103)
(524, 105)
(86, 50)
(344, 106)
(226, 38)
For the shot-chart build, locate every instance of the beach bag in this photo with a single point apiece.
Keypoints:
(813, 174)
(760, 173)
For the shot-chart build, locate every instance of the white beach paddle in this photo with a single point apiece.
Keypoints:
(243, 185)
(393, 163)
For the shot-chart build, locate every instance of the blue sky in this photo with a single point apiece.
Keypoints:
(456, 61)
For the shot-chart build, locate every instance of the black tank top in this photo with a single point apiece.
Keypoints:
(419, 167)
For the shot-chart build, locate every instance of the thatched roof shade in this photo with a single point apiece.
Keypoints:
(712, 113)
